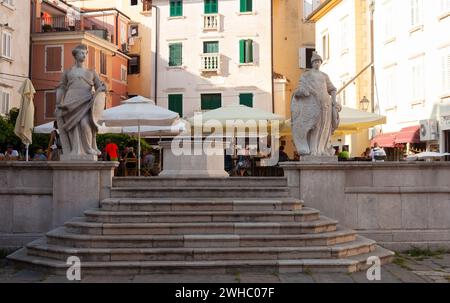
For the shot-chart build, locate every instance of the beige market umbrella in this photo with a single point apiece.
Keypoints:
(138, 112)
(25, 119)
(351, 121)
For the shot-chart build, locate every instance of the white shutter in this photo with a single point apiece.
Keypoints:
(302, 57)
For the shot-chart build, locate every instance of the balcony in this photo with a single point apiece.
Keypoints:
(211, 22)
(59, 24)
(210, 63)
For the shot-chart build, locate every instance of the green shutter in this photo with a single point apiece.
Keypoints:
(211, 101)
(246, 99)
(246, 6)
(242, 51)
(176, 8)
(211, 7)
(176, 104)
(175, 54)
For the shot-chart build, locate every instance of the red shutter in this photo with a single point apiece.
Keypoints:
(50, 104)
(91, 58)
(54, 58)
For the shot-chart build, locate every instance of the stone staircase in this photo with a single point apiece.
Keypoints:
(201, 225)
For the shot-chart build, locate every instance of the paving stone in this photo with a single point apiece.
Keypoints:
(107, 279)
(404, 275)
(296, 278)
(259, 278)
(444, 261)
(386, 277)
(26, 275)
(173, 278)
(332, 278)
(57, 279)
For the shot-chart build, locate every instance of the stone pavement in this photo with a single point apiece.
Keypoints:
(416, 267)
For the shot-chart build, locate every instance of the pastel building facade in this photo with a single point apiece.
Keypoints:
(14, 51)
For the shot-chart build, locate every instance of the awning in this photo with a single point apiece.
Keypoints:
(409, 134)
(385, 140)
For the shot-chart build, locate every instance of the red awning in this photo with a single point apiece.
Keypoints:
(385, 140)
(408, 135)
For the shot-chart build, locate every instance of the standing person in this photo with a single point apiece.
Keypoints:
(377, 153)
(54, 145)
(111, 150)
(282, 156)
(11, 154)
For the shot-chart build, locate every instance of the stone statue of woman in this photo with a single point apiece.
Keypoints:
(315, 112)
(80, 100)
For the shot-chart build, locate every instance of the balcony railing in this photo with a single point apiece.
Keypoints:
(59, 24)
(210, 62)
(211, 22)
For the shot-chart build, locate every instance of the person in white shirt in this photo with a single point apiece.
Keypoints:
(11, 154)
(377, 153)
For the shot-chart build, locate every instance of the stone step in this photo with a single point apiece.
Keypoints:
(102, 216)
(200, 204)
(199, 182)
(42, 249)
(205, 192)
(62, 237)
(350, 264)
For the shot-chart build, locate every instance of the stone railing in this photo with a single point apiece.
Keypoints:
(36, 197)
(211, 22)
(399, 204)
(210, 62)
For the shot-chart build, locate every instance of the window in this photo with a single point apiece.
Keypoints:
(390, 92)
(134, 30)
(176, 8)
(344, 34)
(134, 65)
(211, 101)
(6, 45)
(176, 103)
(123, 73)
(309, 6)
(246, 6)
(54, 58)
(211, 6)
(133, 2)
(445, 6)
(8, 2)
(325, 46)
(103, 63)
(417, 79)
(147, 5)
(388, 16)
(211, 47)
(446, 70)
(49, 104)
(305, 55)
(246, 51)
(246, 99)
(175, 54)
(416, 12)
(4, 105)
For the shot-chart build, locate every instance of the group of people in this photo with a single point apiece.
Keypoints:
(374, 154)
(128, 159)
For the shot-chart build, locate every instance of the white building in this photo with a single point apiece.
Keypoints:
(14, 51)
(213, 53)
(412, 61)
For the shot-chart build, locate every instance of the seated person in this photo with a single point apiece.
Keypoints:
(344, 154)
(40, 155)
(243, 162)
(11, 154)
(282, 156)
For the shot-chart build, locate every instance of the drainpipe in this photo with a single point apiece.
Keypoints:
(271, 57)
(32, 28)
(156, 52)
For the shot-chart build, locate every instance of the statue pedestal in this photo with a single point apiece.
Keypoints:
(319, 159)
(190, 164)
(79, 157)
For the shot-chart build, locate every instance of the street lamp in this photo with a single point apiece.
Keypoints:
(364, 103)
